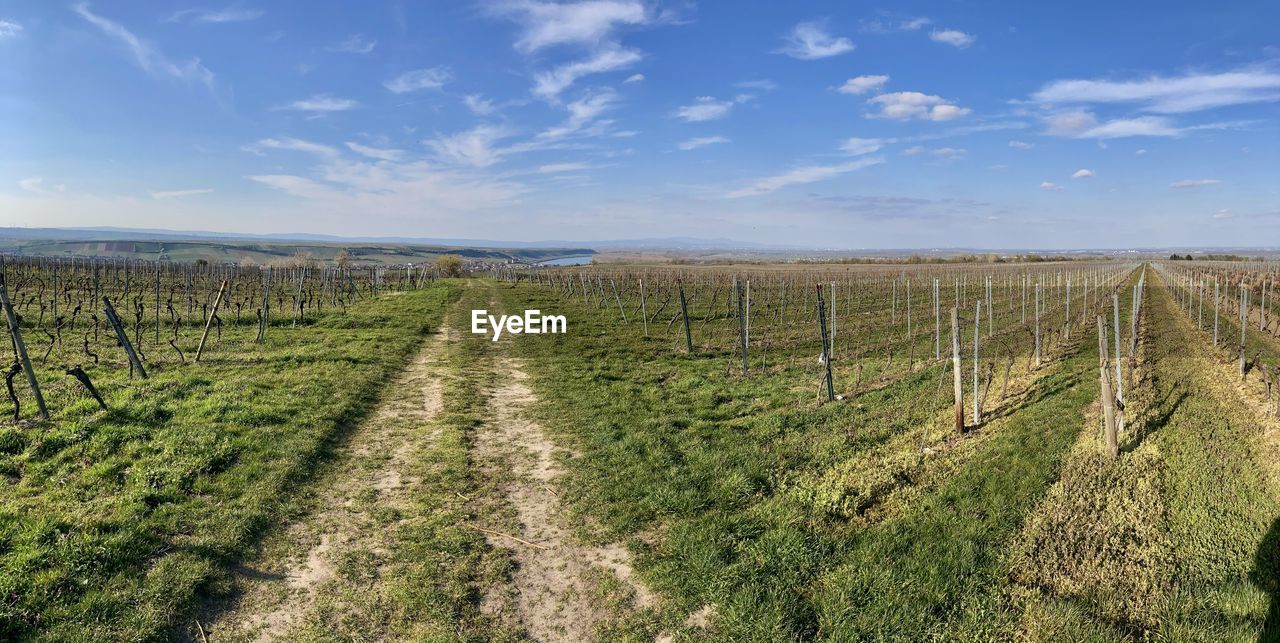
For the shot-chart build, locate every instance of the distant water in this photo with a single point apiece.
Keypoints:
(566, 261)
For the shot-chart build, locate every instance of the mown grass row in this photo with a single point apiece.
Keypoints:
(1176, 539)
(112, 523)
(695, 469)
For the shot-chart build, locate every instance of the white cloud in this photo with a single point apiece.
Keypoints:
(590, 23)
(1083, 124)
(146, 55)
(811, 41)
(478, 105)
(419, 79)
(762, 84)
(1082, 174)
(230, 14)
(949, 153)
(1222, 213)
(862, 84)
(1193, 183)
(1140, 152)
(1021, 145)
(35, 185)
(1126, 127)
(1070, 123)
(294, 145)
(382, 154)
(557, 168)
(549, 84)
(178, 194)
(914, 24)
(354, 44)
(1050, 185)
(913, 150)
(701, 141)
(634, 78)
(881, 25)
(582, 112)
(801, 175)
(908, 105)
(9, 28)
(859, 146)
(1190, 93)
(474, 147)
(321, 103)
(412, 190)
(704, 108)
(952, 37)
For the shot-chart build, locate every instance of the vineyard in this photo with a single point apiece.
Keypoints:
(1079, 450)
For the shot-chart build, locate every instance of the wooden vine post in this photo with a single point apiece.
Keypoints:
(1037, 312)
(977, 329)
(1244, 322)
(1108, 395)
(742, 325)
(123, 336)
(684, 315)
(209, 322)
(616, 298)
(955, 369)
(21, 348)
(1119, 383)
(644, 310)
(826, 356)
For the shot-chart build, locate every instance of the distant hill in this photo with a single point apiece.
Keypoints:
(259, 249)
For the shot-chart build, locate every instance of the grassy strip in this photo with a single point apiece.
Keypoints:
(1176, 537)
(112, 523)
(694, 464)
(937, 571)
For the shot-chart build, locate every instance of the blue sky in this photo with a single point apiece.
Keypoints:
(829, 124)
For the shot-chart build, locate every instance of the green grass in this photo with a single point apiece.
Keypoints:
(112, 523)
(738, 491)
(1176, 538)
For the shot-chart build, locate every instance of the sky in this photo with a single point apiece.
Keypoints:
(824, 124)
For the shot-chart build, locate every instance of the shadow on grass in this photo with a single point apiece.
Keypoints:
(1266, 575)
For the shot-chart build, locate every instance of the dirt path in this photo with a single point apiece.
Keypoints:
(556, 577)
(280, 589)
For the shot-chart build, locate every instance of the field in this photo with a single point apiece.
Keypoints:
(762, 453)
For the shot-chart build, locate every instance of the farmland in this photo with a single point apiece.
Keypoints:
(808, 452)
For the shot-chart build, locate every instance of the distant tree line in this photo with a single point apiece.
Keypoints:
(1189, 257)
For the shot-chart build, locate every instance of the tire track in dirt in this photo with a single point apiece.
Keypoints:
(280, 592)
(556, 576)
